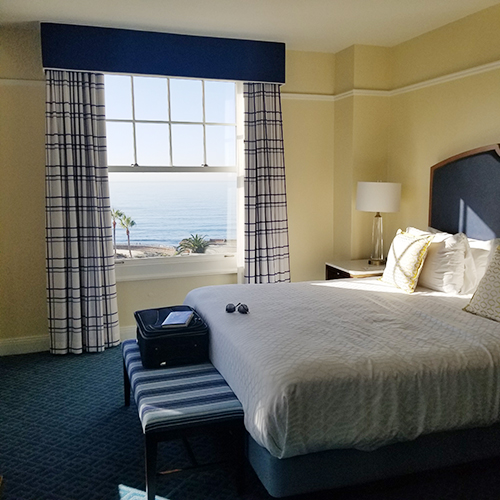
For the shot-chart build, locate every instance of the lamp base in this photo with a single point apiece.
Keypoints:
(376, 262)
(377, 255)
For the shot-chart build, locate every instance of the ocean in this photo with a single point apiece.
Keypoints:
(167, 208)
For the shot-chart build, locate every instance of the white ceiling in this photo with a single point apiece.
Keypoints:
(311, 25)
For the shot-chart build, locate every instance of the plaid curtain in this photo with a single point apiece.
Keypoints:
(83, 312)
(266, 222)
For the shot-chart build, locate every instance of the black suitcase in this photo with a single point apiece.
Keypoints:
(173, 346)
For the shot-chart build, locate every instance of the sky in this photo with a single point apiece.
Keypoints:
(160, 143)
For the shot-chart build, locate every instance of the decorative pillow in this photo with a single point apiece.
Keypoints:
(405, 259)
(486, 301)
(444, 265)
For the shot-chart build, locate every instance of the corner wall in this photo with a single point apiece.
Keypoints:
(432, 97)
(362, 118)
(308, 128)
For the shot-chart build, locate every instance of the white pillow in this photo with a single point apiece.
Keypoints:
(482, 252)
(470, 277)
(405, 259)
(486, 300)
(477, 257)
(444, 266)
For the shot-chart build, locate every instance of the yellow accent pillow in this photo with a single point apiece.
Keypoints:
(405, 260)
(486, 300)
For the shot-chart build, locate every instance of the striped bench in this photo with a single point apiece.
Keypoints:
(179, 401)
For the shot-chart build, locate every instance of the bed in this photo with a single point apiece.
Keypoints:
(349, 381)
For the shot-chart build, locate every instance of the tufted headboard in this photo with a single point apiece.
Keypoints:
(465, 193)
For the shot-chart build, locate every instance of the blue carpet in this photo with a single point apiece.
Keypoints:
(65, 434)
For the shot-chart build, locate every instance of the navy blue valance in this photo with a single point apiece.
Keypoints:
(89, 48)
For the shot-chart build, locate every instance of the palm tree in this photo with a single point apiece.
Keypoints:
(195, 243)
(115, 215)
(127, 223)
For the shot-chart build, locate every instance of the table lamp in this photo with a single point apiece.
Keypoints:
(378, 197)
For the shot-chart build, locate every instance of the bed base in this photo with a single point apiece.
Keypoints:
(338, 468)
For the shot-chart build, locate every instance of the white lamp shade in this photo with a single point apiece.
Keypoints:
(378, 196)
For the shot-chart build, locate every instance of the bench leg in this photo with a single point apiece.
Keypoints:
(126, 385)
(239, 449)
(151, 448)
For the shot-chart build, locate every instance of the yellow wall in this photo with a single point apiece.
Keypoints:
(362, 118)
(467, 43)
(347, 117)
(137, 295)
(372, 67)
(309, 73)
(362, 67)
(361, 152)
(308, 133)
(23, 309)
(343, 177)
(434, 123)
(370, 153)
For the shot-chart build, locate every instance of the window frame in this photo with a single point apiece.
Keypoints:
(194, 264)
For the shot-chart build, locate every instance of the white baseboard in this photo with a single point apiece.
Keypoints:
(26, 345)
(128, 332)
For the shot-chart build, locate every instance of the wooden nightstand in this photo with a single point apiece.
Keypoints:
(351, 269)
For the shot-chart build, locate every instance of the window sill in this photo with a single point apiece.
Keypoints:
(175, 267)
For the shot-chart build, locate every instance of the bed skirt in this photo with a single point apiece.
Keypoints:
(337, 468)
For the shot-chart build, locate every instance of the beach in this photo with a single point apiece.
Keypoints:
(145, 251)
(142, 251)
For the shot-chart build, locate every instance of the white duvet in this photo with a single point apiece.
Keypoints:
(351, 363)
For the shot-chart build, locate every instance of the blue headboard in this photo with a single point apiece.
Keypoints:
(465, 193)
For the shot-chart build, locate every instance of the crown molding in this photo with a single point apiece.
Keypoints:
(458, 75)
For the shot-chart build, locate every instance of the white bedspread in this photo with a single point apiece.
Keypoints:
(351, 363)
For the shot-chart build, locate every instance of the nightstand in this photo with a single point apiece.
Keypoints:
(352, 269)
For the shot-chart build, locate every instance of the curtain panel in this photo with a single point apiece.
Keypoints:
(82, 303)
(266, 221)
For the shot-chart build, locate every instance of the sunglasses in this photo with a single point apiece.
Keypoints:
(241, 308)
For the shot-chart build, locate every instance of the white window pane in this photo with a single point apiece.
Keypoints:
(187, 145)
(186, 100)
(120, 143)
(152, 144)
(221, 145)
(220, 103)
(168, 207)
(150, 98)
(118, 97)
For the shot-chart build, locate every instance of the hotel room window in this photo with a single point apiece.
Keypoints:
(173, 149)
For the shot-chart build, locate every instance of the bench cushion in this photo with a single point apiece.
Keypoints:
(178, 397)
